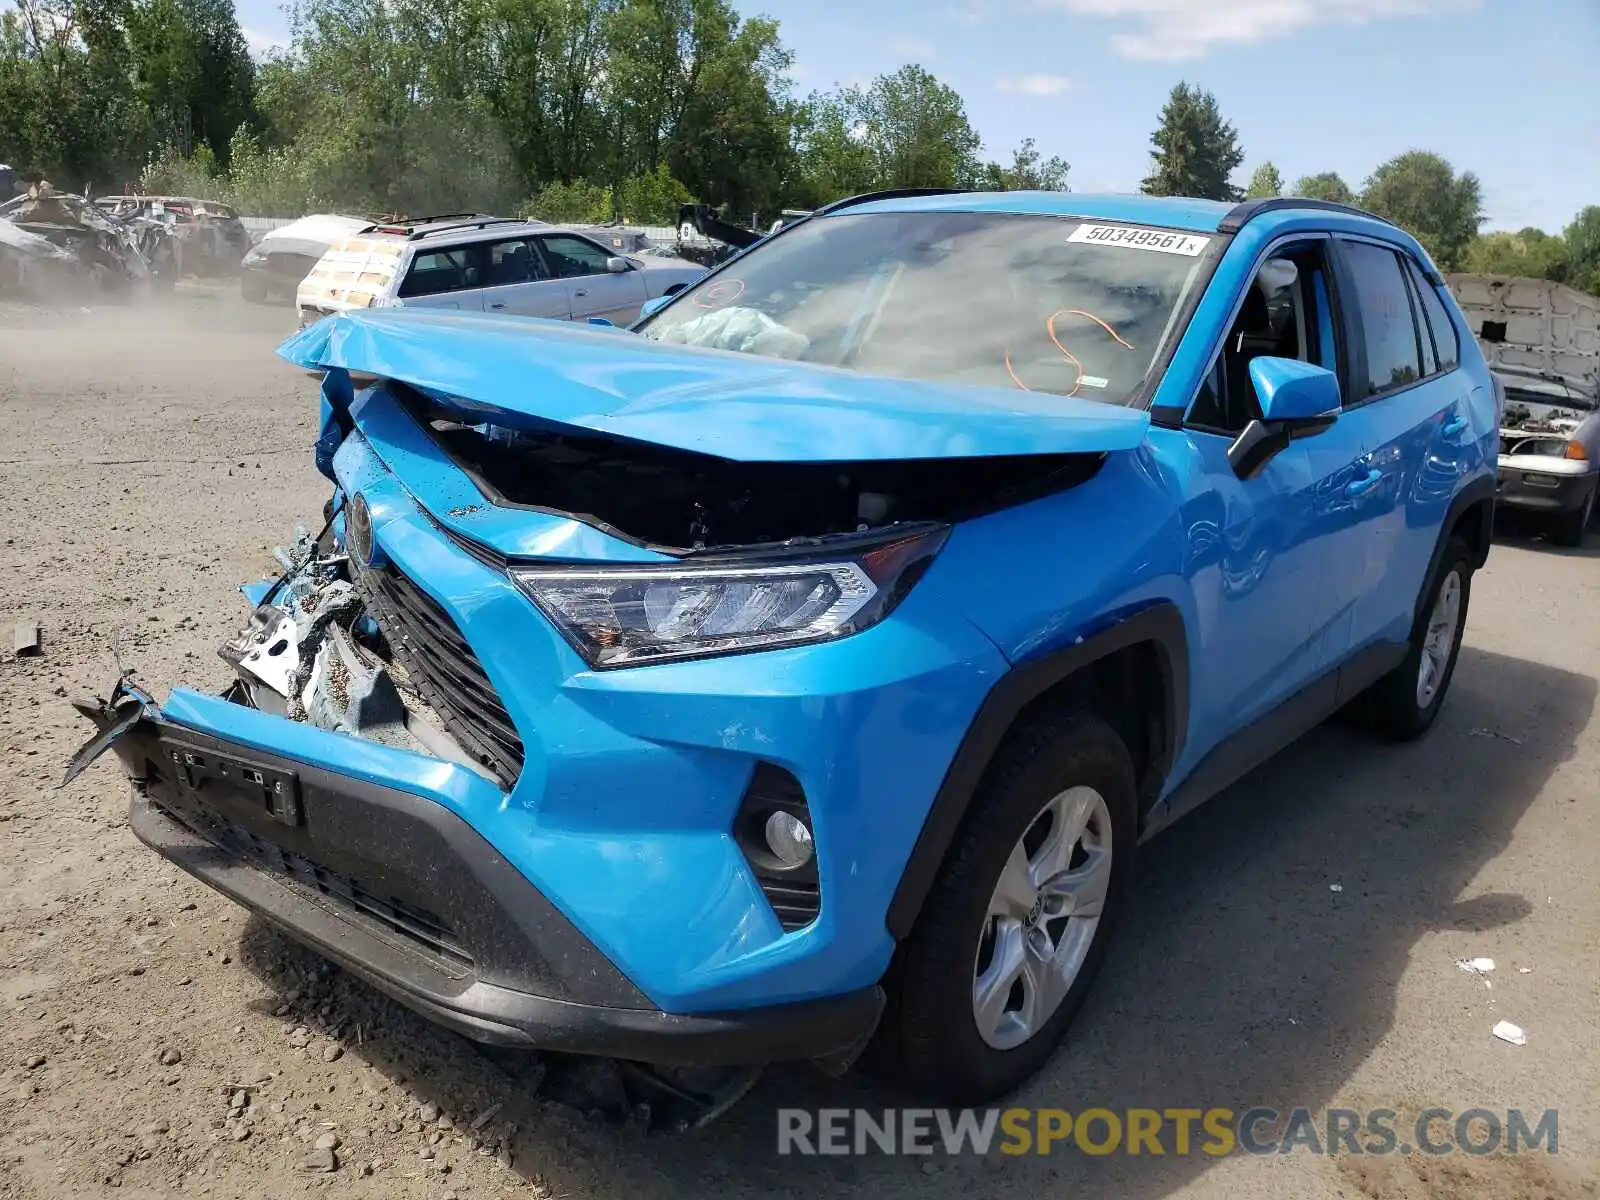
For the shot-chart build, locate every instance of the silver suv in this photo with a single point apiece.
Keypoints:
(487, 264)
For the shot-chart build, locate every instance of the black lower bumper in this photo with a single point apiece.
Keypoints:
(1541, 492)
(407, 896)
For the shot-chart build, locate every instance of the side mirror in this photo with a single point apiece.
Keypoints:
(654, 306)
(617, 265)
(1297, 399)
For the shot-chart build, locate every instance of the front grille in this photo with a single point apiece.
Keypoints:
(444, 669)
(425, 931)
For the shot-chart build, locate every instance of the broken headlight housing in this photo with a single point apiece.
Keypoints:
(633, 615)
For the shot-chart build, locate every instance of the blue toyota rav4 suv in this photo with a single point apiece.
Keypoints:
(804, 665)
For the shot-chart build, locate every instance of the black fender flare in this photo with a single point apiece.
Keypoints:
(1160, 625)
(1480, 491)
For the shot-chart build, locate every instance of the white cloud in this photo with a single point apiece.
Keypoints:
(262, 45)
(1171, 30)
(913, 49)
(1035, 85)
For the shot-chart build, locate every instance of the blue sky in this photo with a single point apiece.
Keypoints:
(1509, 89)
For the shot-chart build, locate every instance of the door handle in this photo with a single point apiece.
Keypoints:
(1454, 427)
(497, 304)
(581, 292)
(1362, 486)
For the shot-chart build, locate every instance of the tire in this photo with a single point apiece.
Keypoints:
(930, 1036)
(1398, 707)
(1568, 528)
(252, 289)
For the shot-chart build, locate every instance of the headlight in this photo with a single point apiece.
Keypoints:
(626, 616)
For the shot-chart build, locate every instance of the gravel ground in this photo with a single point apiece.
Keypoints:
(155, 1038)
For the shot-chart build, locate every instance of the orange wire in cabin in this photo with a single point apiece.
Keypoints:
(1050, 331)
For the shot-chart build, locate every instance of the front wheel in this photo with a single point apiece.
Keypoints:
(1014, 930)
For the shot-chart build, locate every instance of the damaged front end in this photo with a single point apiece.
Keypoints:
(500, 740)
(314, 652)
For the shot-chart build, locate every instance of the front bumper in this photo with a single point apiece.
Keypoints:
(407, 896)
(1542, 485)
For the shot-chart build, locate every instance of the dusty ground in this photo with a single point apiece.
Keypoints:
(147, 462)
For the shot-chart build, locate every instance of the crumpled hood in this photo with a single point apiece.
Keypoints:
(734, 406)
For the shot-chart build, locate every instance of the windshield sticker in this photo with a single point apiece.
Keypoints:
(1094, 381)
(1131, 237)
(720, 294)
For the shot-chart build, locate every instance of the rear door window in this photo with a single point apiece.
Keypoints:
(1388, 322)
(437, 271)
(1436, 317)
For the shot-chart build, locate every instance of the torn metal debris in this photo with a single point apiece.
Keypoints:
(311, 652)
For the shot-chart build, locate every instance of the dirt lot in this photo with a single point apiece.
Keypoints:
(1295, 943)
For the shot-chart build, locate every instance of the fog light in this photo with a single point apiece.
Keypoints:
(789, 839)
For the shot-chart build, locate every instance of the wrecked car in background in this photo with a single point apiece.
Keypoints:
(212, 238)
(275, 265)
(109, 253)
(804, 664)
(1543, 341)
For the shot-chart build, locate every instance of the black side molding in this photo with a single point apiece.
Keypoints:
(1241, 215)
(1160, 625)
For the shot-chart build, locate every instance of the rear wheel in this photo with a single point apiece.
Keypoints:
(1015, 928)
(1569, 528)
(1403, 704)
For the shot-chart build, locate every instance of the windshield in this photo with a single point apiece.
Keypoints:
(1042, 303)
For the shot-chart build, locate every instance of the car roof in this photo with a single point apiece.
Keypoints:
(1200, 216)
(1173, 212)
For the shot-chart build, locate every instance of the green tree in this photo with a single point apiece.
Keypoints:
(1421, 192)
(1196, 151)
(192, 71)
(67, 106)
(917, 131)
(835, 159)
(1325, 186)
(1265, 183)
(651, 198)
(1028, 171)
(1532, 253)
(565, 203)
(1582, 239)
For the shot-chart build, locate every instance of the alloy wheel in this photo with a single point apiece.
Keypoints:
(1440, 638)
(1042, 917)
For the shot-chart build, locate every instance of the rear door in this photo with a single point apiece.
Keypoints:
(592, 290)
(1413, 405)
(516, 280)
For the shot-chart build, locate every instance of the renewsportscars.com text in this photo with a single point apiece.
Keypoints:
(1163, 1131)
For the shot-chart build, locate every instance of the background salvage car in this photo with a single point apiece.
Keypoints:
(1543, 341)
(284, 256)
(488, 264)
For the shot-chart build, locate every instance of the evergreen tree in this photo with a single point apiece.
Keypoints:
(1195, 149)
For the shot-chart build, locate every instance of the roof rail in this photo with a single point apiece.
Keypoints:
(478, 223)
(886, 194)
(447, 222)
(1241, 215)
